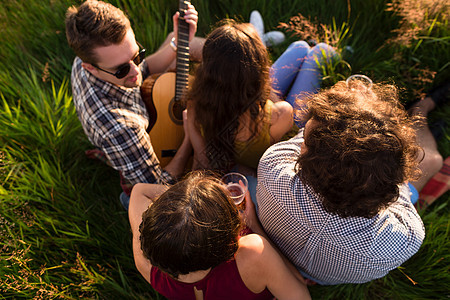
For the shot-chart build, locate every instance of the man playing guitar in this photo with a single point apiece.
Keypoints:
(106, 75)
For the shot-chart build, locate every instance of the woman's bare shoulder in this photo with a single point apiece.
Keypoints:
(282, 120)
(249, 260)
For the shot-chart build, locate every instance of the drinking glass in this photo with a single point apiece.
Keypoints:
(237, 185)
(363, 80)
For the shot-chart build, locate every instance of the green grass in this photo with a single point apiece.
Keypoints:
(63, 232)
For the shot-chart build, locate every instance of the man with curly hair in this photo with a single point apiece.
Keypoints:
(336, 197)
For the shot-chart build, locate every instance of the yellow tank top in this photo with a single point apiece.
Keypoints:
(249, 152)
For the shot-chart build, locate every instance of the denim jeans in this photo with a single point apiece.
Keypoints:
(297, 71)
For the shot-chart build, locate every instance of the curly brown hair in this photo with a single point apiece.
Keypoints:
(94, 24)
(193, 226)
(362, 147)
(232, 79)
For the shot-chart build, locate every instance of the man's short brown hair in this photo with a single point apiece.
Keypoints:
(94, 24)
(362, 148)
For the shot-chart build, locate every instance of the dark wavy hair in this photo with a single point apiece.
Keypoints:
(233, 78)
(193, 226)
(94, 24)
(362, 147)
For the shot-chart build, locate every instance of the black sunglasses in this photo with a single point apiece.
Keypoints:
(123, 70)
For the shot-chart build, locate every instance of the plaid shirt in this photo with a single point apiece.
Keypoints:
(115, 120)
(325, 247)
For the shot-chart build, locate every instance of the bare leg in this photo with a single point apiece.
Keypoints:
(432, 161)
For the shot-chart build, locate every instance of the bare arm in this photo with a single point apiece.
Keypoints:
(261, 266)
(252, 221)
(161, 60)
(141, 198)
(198, 142)
(178, 163)
(282, 120)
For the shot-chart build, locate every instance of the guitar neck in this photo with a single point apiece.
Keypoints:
(182, 65)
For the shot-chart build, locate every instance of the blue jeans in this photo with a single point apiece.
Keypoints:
(414, 193)
(252, 189)
(296, 72)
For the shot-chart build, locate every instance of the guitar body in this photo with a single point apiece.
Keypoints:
(167, 132)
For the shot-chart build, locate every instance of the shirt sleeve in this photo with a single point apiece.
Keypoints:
(130, 151)
(280, 155)
(405, 222)
(276, 170)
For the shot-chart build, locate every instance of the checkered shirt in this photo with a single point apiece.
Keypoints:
(115, 119)
(325, 247)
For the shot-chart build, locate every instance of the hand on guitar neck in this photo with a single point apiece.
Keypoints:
(185, 20)
(184, 30)
(163, 95)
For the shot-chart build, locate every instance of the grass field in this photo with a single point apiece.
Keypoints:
(63, 232)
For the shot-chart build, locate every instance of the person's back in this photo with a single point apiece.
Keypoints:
(221, 282)
(335, 198)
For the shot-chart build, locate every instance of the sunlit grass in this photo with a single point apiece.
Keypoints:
(63, 232)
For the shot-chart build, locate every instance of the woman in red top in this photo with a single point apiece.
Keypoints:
(186, 245)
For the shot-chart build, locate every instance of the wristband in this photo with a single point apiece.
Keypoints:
(173, 45)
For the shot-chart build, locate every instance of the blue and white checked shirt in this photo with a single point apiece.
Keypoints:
(325, 247)
(115, 119)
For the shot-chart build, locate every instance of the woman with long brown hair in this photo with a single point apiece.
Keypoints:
(231, 118)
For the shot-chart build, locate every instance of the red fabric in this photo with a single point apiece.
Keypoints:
(97, 154)
(222, 282)
(436, 186)
(125, 184)
(244, 231)
(310, 282)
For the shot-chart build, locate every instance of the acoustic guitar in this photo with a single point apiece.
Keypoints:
(162, 95)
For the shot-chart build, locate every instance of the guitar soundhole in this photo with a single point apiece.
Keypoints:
(176, 111)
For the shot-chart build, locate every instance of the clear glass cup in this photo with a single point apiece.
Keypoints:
(237, 185)
(356, 80)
